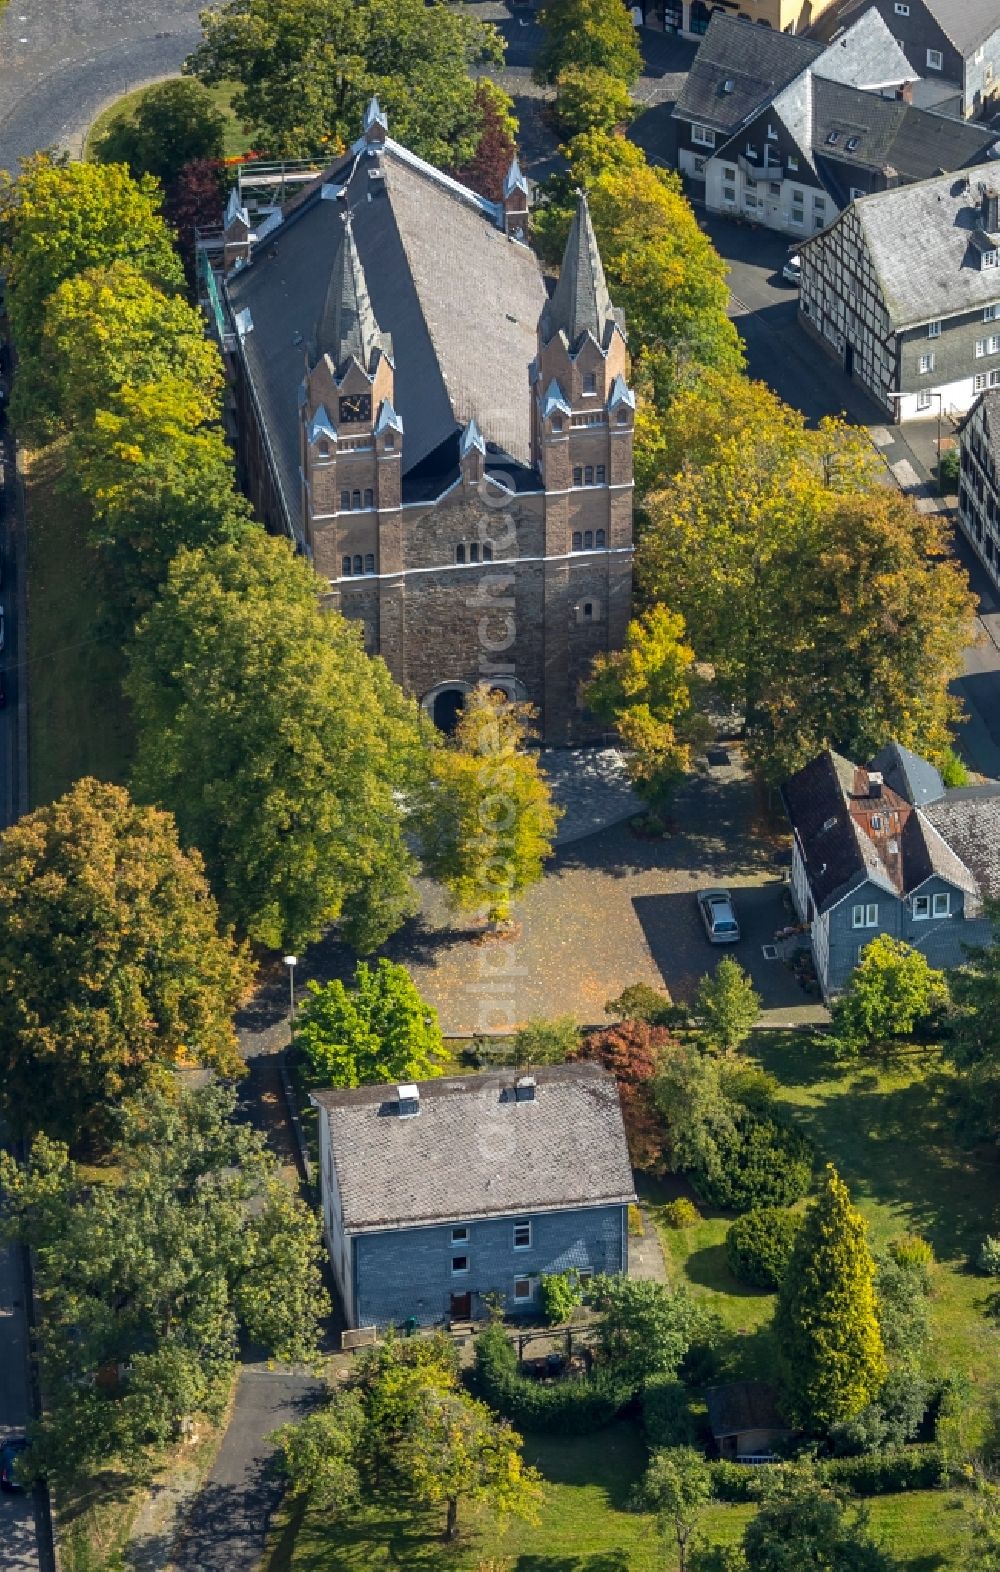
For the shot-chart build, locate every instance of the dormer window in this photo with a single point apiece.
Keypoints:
(987, 259)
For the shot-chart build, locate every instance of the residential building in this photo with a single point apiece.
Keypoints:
(903, 289)
(954, 45)
(786, 132)
(890, 849)
(979, 485)
(439, 1194)
(692, 18)
(448, 443)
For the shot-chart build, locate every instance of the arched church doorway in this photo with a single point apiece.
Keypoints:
(447, 707)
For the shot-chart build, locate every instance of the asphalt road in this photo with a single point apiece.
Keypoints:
(18, 1540)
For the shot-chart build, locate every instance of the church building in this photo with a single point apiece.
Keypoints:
(450, 444)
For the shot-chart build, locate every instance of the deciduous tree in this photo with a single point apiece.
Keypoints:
(646, 690)
(307, 70)
(728, 1006)
(590, 34)
(59, 218)
(643, 1329)
(591, 99)
(827, 1323)
(974, 1040)
(146, 1280)
(802, 1525)
(488, 820)
(891, 991)
(281, 747)
(678, 1487)
(380, 1030)
(112, 966)
(173, 123)
(630, 1051)
(456, 1450)
(486, 170)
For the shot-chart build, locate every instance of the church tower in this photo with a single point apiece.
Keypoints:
(582, 434)
(351, 438)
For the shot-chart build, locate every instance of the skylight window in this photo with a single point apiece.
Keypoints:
(832, 138)
(852, 143)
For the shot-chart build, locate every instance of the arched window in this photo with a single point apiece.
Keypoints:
(577, 540)
(487, 551)
(370, 562)
(355, 499)
(474, 551)
(345, 501)
(346, 567)
(358, 566)
(588, 540)
(588, 475)
(599, 538)
(459, 553)
(369, 498)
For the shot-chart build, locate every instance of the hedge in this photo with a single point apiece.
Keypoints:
(883, 1473)
(572, 1406)
(666, 1413)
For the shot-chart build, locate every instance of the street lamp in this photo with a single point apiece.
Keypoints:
(291, 961)
(930, 393)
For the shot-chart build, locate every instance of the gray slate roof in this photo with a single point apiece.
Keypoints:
(908, 774)
(459, 301)
(580, 303)
(968, 818)
(757, 61)
(966, 22)
(347, 325)
(742, 1406)
(473, 1151)
(917, 144)
(920, 238)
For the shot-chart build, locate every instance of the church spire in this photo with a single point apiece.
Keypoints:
(347, 324)
(581, 303)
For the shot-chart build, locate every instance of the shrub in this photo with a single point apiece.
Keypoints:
(546, 1042)
(915, 1256)
(666, 1413)
(885, 1472)
(561, 1293)
(891, 992)
(989, 1256)
(894, 1418)
(738, 1482)
(571, 1407)
(949, 468)
(759, 1244)
(953, 770)
(636, 1226)
(681, 1213)
(757, 1162)
(640, 1002)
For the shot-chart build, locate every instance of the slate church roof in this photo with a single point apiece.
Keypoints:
(474, 1150)
(458, 302)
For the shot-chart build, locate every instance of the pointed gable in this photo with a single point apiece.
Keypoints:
(581, 303)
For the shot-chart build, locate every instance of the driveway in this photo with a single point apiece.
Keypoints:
(18, 1537)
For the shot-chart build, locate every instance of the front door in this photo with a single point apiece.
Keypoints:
(461, 1307)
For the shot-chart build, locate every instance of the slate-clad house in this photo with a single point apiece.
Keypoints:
(979, 487)
(786, 132)
(904, 290)
(436, 1194)
(450, 444)
(953, 44)
(890, 849)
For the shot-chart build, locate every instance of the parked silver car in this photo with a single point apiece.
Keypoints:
(716, 908)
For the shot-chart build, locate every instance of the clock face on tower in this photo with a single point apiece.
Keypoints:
(355, 407)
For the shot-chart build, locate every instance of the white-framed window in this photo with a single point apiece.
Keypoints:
(901, 9)
(728, 172)
(978, 57)
(935, 60)
(865, 916)
(980, 348)
(995, 379)
(933, 330)
(988, 258)
(750, 199)
(924, 400)
(921, 908)
(856, 192)
(942, 904)
(522, 1235)
(991, 313)
(699, 166)
(979, 381)
(524, 1289)
(459, 1236)
(792, 161)
(926, 364)
(772, 135)
(729, 195)
(704, 136)
(774, 187)
(459, 1265)
(751, 151)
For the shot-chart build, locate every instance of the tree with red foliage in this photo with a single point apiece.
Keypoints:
(195, 200)
(495, 149)
(630, 1051)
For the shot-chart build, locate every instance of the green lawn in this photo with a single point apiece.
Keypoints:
(586, 1525)
(77, 716)
(237, 141)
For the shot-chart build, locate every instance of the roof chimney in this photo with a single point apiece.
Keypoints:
(991, 209)
(874, 784)
(524, 1089)
(408, 1101)
(905, 92)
